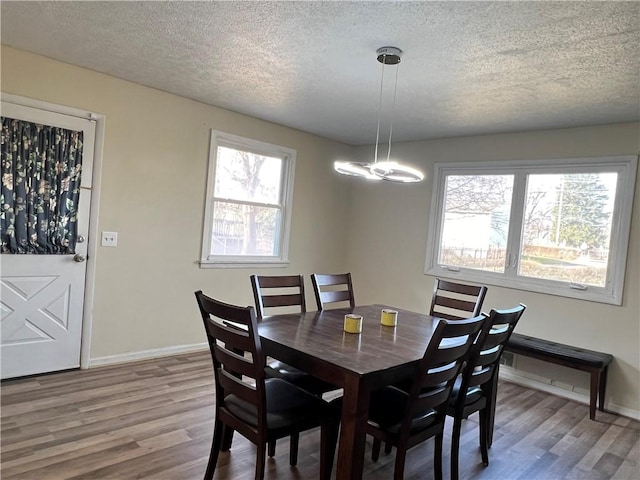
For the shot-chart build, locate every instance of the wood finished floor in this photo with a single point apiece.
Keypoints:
(153, 420)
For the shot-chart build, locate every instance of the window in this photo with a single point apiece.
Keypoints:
(249, 197)
(551, 226)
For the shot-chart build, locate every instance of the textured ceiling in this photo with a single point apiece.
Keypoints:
(468, 67)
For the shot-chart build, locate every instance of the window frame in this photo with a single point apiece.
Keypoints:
(285, 203)
(611, 293)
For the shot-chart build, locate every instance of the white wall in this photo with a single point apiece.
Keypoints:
(153, 193)
(388, 240)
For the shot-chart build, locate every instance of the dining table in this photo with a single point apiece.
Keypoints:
(358, 363)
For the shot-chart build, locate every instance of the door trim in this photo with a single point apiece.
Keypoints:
(93, 240)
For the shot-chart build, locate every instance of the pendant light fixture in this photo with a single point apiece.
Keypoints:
(386, 170)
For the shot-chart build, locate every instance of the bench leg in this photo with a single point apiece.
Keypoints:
(593, 395)
(602, 388)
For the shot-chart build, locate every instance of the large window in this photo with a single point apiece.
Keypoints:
(551, 226)
(249, 196)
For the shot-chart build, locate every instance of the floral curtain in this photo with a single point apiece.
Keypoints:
(41, 167)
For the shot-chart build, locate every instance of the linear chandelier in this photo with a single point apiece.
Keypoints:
(388, 170)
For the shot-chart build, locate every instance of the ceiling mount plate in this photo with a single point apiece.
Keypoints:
(389, 55)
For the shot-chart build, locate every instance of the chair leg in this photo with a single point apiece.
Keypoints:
(328, 442)
(485, 419)
(401, 453)
(455, 446)
(215, 449)
(375, 450)
(260, 461)
(272, 448)
(387, 448)
(492, 409)
(227, 439)
(437, 457)
(293, 449)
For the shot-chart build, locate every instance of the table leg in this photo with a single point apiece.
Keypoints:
(355, 413)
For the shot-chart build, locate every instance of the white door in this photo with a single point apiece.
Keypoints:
(42, 296)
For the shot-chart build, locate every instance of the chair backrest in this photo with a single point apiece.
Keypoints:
(236, 351)
(434, 379)
(283, 291)
(484, 358)
(455, 301)
(335, 288)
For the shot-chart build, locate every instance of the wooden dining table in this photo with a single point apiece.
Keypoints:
(358, 363)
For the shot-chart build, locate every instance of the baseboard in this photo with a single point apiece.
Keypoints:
(510, 376)
(147, 354)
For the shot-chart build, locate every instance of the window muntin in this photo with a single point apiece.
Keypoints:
(249, 191)
(587, 260)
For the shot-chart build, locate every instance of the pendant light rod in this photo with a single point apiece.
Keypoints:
(393, 108)
(385, 170)
(375, 155)
(386, 56)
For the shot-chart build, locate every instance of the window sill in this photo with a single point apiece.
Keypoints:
(246, 264)
(560, 289)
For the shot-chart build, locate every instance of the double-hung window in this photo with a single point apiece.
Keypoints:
(552, 226)
(249, 200)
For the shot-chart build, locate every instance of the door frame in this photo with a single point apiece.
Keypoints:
(94, 237)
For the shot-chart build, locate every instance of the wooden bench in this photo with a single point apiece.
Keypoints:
(596, 363)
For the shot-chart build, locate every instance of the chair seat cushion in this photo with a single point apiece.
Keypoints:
(287, 405)
(473, 393)
(277, 369)
(387, 408)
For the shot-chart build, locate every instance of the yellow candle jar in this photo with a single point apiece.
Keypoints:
(352, 323)
(389, 317)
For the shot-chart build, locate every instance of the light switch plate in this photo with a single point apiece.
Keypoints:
(109, 239)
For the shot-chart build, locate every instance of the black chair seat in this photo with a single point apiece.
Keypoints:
(474, 393)
(388, 407)
(287, 405)
(299, 378)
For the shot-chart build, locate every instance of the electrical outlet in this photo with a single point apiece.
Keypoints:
(109, 239)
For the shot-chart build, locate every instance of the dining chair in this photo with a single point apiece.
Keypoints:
(452, 301)
(285, 291)
(455, 301)
(278, 291)
(405, 419)
(333, 289)
(479, 381)
(260, 409)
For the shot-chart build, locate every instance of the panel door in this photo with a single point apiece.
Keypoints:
(42, 295)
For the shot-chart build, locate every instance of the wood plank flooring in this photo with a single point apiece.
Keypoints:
(154, 419)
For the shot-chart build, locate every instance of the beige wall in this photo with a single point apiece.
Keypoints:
(388, 242)
(153, 189)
